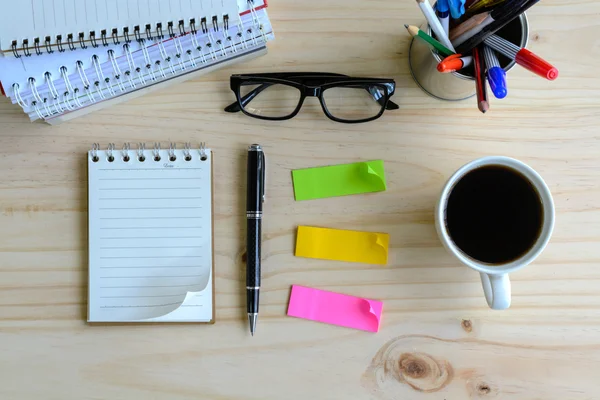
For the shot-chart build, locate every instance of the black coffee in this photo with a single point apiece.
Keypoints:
(494, 214)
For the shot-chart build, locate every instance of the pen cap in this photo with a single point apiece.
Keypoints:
(255, 181)
(450, 64)
(497, 81)
(457, 8)
(442, 6)
(536, 65)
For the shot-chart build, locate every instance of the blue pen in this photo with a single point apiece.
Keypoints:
(457, 8)
(495, 74)
(443, 14)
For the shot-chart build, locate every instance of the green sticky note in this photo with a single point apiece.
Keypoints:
(339, 180)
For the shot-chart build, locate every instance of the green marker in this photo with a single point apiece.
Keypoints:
(443, 50)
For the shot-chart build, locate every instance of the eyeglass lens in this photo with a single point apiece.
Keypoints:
(271, 100)
(347, 102)
(353, 103)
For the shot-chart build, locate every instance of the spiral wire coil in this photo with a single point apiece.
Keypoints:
(140, 152)
(100, 83)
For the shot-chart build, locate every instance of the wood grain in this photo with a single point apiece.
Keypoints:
(438, 338)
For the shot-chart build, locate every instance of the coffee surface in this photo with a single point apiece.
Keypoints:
(494, 214)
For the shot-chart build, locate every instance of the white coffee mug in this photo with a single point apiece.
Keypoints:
(494, 278)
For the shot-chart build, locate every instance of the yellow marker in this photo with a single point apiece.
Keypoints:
(342, 245)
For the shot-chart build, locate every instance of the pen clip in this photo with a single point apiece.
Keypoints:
(264, 175)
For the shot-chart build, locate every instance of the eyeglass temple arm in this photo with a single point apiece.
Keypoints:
(235, 107)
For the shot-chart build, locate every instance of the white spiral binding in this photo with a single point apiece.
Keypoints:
(100, 75)
(85, 81)
(94, 152)
(98, 82)
(220, 43)
(37, 97)
(109, 152)
(37, 109)
(194, 39)
(156, 151)
(211, 40)
(256, 20)
(178, 54)
(63, 73)
(191, 59)
(64, 102)
(76, 97)
(132, 67)
(165, 56)
(53, 92)
(117, 71)
(140, 152)
(70, 90)
(231, 41)
(202, 151)
(125, 151)
(241, 37)
(148, 60)
(161, 70)
(18, 97)
(198, 47)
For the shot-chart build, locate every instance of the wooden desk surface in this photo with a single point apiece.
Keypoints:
(438, 339)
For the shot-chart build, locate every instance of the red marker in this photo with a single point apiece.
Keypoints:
(454, 63)
(523, 57)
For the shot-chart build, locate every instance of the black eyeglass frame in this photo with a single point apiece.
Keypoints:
(319, 82)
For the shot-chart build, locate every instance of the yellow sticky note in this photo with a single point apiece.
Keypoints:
(342, 245)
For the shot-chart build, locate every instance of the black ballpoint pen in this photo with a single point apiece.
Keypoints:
(255, 196)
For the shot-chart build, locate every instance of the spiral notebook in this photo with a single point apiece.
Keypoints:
(39, 26)
(150, 235)
(58, 81)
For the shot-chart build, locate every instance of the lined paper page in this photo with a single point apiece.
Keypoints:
(29, 19)
(150, 238)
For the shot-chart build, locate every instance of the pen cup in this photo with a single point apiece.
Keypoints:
(459, 85)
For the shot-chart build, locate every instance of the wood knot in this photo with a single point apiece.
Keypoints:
(482, 388)
(395, 370)
(423, 372)
(478, 388)
(467, 325)
(535, 37)
(413, 368)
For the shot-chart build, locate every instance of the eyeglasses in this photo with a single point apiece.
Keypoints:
(279, 96)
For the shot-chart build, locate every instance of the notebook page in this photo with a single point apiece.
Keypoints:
(150, 238)
(29, 19)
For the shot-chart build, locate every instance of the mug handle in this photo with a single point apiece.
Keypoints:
(497, 290)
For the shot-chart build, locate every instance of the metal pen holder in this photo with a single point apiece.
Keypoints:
(423, 61)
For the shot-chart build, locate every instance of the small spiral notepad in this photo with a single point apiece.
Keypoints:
(150, 235)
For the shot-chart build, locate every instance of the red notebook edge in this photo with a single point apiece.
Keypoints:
(256, 8)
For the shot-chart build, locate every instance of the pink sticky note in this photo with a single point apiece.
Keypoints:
(335, 308)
